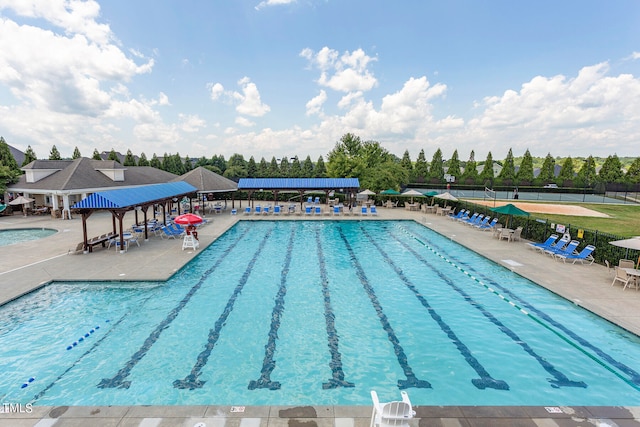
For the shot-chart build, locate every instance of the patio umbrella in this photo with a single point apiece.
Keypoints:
(431, 193)
(632, 243)
(446, 196)
(21, 200)
(188, 219)
(390, 192)
(509, 210)
(367, 193)
(412, 193)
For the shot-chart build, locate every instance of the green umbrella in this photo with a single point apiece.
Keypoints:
(390, 192)
(509, 210)
(431, 193)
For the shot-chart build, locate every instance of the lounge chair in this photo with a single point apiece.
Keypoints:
(482, 223)
(558, 245)
(258, 210)
(247, 210)
(477, 220)
(307, 210)
(490, 226)
(266, 210)
(373, 210)
(625, 278)
(459, 215)
(567, 250)
(316, 201)
(363, 211)
(276, 210)
(167, 232)
(544, 245)
(336, 211)
(468, 219)
(584, 255)
(318, 210)
(391, 414)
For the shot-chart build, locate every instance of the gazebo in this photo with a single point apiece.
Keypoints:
(208, 183)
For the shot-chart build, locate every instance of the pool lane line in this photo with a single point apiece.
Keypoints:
(634, 375)
(269, 363)
(337, 378)
(119, 380)
(95, 345)
(411, 380)
(535, 318)
(485, 380)
(560, 380)
(192, 381)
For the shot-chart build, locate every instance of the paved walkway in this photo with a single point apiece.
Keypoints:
(29, 265)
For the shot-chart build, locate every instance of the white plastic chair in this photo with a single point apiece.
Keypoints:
(391, 414)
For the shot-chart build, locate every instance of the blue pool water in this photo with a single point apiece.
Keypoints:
(19, 235)
(316, 312)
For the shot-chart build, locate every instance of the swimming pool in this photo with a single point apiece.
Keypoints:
(316, 312)
(19, 235)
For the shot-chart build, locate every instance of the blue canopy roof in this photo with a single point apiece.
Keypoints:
(297, 183)
(135, 196)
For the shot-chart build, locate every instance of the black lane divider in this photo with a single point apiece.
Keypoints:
(560, 380)
(485, 380)
(269, 363)
(337, 379)
(74, 364)
(191, 381)
(633, 374)
(412, 380)
(119, 379)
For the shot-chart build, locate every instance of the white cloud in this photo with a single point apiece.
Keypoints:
(314, 106)
(248, 101)
(267, 3)
(191, 123)
(345, 73)
(244, 122)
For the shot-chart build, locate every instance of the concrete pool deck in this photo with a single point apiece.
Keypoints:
(29, 265)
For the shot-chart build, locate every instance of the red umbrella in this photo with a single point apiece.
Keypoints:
(188, 219)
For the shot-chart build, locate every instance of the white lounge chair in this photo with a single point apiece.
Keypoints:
(391, 414)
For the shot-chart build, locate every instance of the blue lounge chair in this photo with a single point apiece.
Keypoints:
(247, 210)
(307, 210)
(168, 232)
(316, 201)
(276, 210)
(584, 255)
(558, 245)
(467, 219)
(544, 245)
(364, 211)
(318, 210)
(309, 200)
(567, 250)
(482, 223)
(459, 215)
(373, 210)
(258, 210)
(477, 220)
(266, 210)
(490, 226)
(336, 211)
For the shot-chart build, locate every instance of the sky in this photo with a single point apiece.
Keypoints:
(285, 78)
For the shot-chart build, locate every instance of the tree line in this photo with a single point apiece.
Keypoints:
(376, 168)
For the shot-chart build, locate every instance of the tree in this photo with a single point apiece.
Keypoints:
(29, 156)
(76, 154)
(274, 170)
(307, 168)
(155, 162)
(7, 159)
(296, 169)
(421, 170)
(406, 163)
(252, 168)
(129, 160)
(202, 161)
(508, 172)
(548, 170)
(187, 165)
(587, 173)
(263, 169)
(284, 167)
(470, 174)
(54, 154)
(320, 170)
(436, 168)
(346, 160)
(142, 161)
(633, 173)
(454, 166)
(611, 170)
(487, 174)
(219, 162)
(96, 155)
(113, 156)
(525, 172)
(567, 174)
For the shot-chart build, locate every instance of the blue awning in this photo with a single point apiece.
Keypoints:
(135, 196)
(297, 183)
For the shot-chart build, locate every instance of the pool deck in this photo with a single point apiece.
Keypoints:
(29, 265)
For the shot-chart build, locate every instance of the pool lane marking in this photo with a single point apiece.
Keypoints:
(635, 376)
(411, 380)
(269, 363)
(541, 323)
(192, 381)
(485, 380)
(95, 345)
(119, 379)
(337, 379)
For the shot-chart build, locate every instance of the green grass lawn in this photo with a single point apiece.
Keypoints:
(624, 219)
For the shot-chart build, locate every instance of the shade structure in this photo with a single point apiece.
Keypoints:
(188, 219)
(390, 192)
(431, 193)
(632, 243)
(446, 196)
(412, 193)
(20, 200)
(509, 210)
(367, 193)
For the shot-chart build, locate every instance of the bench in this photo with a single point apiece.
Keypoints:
(100, 240)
